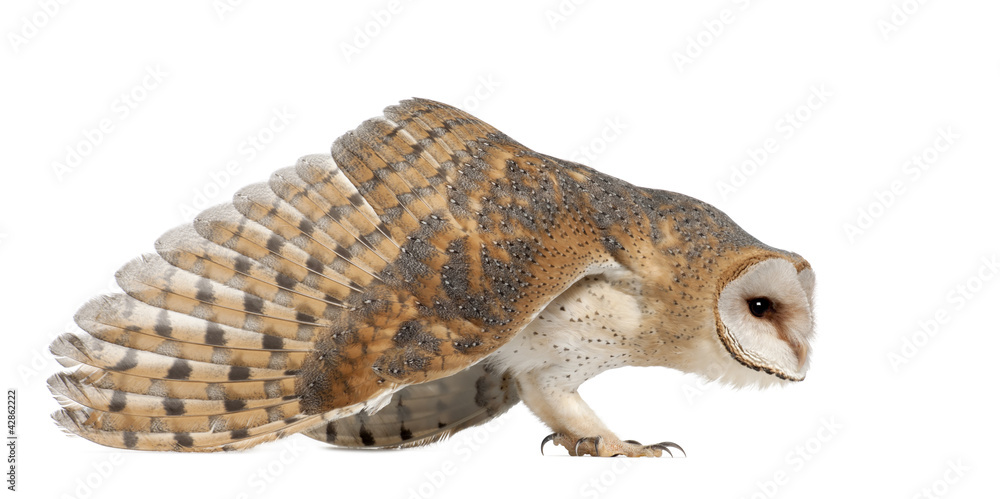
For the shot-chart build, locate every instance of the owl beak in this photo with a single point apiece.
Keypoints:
(801, 352)
(799, 347)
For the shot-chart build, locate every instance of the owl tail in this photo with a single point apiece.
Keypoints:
(426, 412)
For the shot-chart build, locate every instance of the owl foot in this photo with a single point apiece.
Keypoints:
(609, 447)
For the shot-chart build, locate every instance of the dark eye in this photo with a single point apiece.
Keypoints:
(759, 306)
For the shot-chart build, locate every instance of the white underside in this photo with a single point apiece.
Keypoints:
(586, 330)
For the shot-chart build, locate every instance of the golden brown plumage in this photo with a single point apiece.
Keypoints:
(384, 274)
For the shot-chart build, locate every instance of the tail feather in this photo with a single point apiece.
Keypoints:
(152, 280)
(347, 226)
(245, 390)
(109, 356)
(125, 313)
(376, 164)
(90, 425)
(179, 422)
(323, 176)
(399, 149)
(226, 227)
(366, 168)
(244, 357)
(184, 248)
(141, 404)
(258, 203)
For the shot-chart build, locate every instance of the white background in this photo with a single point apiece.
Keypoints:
(875, 417)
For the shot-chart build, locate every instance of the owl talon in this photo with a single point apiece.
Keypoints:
(632, 448)
(578, 447)
(661, 448)
(599, 446)
(596, 443)
(548, 439)
(665, 447)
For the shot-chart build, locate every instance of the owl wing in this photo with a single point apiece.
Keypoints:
(426, 412)
(424, 243)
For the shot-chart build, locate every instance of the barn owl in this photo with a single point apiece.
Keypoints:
(423, 278)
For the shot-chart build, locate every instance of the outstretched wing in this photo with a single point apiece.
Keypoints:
(489, 233)
(425, 242)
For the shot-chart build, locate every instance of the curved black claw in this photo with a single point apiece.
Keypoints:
(547, 440)
(665, 447)
(597, 444)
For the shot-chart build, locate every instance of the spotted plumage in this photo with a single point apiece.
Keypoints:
(424, 277)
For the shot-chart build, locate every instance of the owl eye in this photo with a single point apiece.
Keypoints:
(759, 306)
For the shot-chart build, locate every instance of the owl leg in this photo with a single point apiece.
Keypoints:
(576, 426)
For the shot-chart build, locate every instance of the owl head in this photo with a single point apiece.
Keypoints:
(764, 319)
